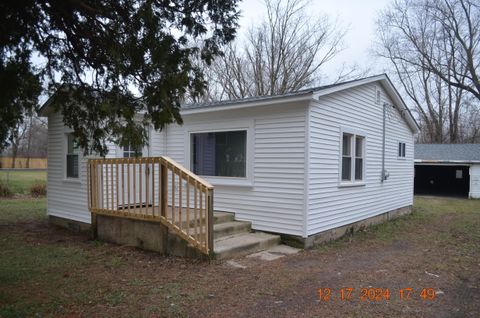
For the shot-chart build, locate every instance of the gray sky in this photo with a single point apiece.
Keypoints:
(358, 15)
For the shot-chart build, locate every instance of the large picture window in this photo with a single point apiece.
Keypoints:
(219, 154)
(353, 152)
(72, 157)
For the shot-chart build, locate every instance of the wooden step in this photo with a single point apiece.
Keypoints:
(243, 244)
(230, 228)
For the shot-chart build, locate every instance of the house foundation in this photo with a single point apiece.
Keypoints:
(154, 236)
(72, 225)
(147, 235)
(336, 233)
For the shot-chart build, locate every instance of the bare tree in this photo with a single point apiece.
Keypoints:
(284, 53)
(28, 139)
(434, 71)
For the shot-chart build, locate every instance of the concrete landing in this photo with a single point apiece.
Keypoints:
(244, 244)
(275, 252)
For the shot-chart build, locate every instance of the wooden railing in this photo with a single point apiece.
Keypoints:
(155, 189)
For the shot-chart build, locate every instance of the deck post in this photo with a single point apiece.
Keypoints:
(164, 190)
(210, 222)
(94, 226)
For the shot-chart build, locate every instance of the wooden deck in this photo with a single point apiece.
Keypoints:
(177, 198)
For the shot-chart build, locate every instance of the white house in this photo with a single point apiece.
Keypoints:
(308, 165)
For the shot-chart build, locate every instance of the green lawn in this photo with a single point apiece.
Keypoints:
(21, 181)
(22, 210)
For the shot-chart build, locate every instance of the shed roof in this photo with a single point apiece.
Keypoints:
(447, 152)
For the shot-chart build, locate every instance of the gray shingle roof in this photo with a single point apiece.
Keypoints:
(269, 97)
(448, 152)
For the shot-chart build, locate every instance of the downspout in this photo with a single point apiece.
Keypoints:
(383, 177)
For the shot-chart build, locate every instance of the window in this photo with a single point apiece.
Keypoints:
(459, 174)
(358, 158)
(401, 150)
(347, 158)
(352, 157)
(72, 157)
(220, 154)
(131, 151)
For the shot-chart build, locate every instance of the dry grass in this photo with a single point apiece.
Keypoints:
(47, 271)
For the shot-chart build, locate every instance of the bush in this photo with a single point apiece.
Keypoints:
(38, 190)
(5, 191)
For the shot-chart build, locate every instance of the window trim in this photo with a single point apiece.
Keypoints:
(66, 178)
(354, 134)
(247, 126)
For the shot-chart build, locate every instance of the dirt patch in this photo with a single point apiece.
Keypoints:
(438, 251)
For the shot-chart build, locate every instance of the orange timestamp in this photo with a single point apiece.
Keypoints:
(375, 294)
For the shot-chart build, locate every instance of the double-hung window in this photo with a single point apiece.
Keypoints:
(219, 154)
(353, 158)
(72, 157)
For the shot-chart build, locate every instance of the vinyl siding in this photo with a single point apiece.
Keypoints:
(66, 198)
(331, 206)
(274, 201)
(292, 167)
(475, 181)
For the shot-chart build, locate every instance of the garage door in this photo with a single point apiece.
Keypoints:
(442, 180)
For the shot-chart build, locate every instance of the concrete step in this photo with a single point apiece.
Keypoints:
(218, 217)
(221, 217)
(230, 228)
(243, 244)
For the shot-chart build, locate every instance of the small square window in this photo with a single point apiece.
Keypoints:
(459, 174)
(131, 151)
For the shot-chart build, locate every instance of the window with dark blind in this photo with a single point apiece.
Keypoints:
(220, 154)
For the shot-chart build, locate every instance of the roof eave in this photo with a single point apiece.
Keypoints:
(46, 109)
(447, 161)
(304, 97)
